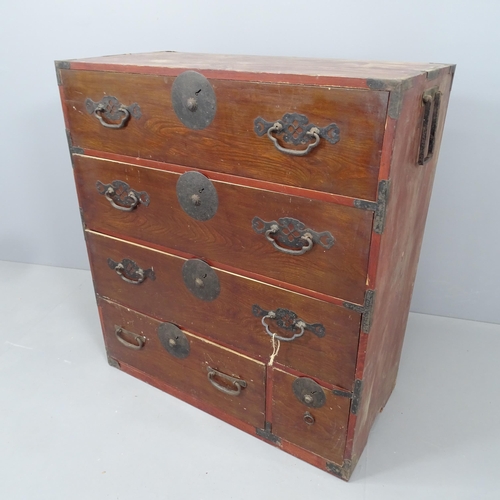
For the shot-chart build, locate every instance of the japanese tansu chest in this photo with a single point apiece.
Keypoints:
(253, 226)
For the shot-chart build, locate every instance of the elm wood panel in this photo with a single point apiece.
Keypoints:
(411, 186)
(326, 437)
(260, 66)
(189, 374)
(228, 319)
(228, 237)
(229, 144)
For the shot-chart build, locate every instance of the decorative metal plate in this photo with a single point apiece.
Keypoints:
(197, 195)
(193, 100)
(308, 392)
(200, 279)
(173, 340)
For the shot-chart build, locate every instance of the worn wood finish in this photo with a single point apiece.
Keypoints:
(228, 237)
(229, 144)
(397, 264)
(326, 436)
(228, 319)
(188, 374)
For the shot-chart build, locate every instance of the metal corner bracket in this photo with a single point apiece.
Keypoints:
(267, 434)
(356, 396)
(379, 206)
(366, 310)
(59, 66)
(343, 471)
(396, 88)
(72, 149)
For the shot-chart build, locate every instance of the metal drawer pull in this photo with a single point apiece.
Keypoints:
(238, 383)
(287, 320)
(296, 130)
(308, 418)
(110, 109)
(130, 272)
(292, 233)
(431, 101)
(122, 196)
(140, 339)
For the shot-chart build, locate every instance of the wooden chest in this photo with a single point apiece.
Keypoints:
(253, 227)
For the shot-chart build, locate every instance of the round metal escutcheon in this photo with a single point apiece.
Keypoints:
(193, 100)
(197, 195)
(308, 392)
(200, 279)
(173, 340)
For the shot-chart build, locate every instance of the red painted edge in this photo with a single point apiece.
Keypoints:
(334, 81)
(229, 178)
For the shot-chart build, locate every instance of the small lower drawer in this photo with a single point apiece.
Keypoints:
(317, 337)
(309, 416)
(219, 377)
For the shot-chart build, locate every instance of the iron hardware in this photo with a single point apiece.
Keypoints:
(237, 383)
(308, 418)
(379, 206)
(197, 195)
(121, 196)
(173, 340)
(431, 101)
(109, 109)
(130, 272)
(200, 279)
(140, 339)
(309, 392)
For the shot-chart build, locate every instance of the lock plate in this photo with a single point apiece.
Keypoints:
(173, 340)
(193, 100)
(197, 195)
(308, 392)
(200, 279)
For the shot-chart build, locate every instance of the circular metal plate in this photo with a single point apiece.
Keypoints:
(173, 340)
(197, 195)
(193, 100)
(200, 279)
(308, 392)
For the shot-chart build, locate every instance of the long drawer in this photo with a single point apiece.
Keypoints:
(233, 225)
(345, 161)
(222, 378)
(317, 337)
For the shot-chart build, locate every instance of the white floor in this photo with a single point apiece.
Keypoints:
(72, 427)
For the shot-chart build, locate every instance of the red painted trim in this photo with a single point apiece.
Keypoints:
(269, 394)
(223, 267)
(333, 81)
(229, 178)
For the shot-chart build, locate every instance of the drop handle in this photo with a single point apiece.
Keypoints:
(236, 382)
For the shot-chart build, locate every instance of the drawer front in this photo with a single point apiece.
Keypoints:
(230, 143)
(238, 312)
(310, 416)
(217, 376)
(228, 237)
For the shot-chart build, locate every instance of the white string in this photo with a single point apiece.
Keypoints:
(276, 348)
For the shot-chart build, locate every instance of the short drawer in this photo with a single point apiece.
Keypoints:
(338, 237)
(317, 337)
(309, 415)
(345, 161)
(219, 377)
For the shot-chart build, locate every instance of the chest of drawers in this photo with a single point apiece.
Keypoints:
(253, 227)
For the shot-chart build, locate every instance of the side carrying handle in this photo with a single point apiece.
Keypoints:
(287, 320)
(431, 100)
(121, 196)
(296, 129)
(237, 383)
(130, 272)
(109, 109)
(139, 339)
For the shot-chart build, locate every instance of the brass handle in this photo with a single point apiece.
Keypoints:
(121, 196)
(292, 233)
(110, 108)
(313, 132)
(130, 272)
(140, 339)
(287, 320)
(238, 383)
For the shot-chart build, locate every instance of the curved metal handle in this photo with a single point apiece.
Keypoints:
(120, 124)
(313, 132)
(109, 194)
(130, 272)
(238, 383)
(140, 339)
(271, 315)
(307, 237)
(308, 418)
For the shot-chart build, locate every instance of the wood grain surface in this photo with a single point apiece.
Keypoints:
(228, 237)
(326, 436)
(229, 319)
(229, 144)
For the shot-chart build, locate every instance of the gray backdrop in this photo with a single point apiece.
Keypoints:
(40, 222)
